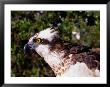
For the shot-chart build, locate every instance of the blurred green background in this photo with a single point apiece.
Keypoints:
(26, 23)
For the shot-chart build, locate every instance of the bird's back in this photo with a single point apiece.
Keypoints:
(81, 59)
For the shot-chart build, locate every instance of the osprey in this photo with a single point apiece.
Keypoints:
(64, 58)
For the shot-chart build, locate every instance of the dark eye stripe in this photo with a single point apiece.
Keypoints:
(45, 41)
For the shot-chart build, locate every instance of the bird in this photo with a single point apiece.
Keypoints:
(64, 58)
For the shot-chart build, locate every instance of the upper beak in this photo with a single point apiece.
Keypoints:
(26, 49)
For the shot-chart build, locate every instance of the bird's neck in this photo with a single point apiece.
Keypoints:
(54, 59)
(57, 64)
(60, 69)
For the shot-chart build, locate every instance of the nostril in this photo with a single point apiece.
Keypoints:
(32, 45)
(29, 45)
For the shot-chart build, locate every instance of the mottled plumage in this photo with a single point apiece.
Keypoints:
(64, 58)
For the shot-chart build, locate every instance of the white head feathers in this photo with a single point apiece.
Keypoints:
(48, 34)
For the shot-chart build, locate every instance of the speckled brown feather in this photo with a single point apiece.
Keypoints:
(74, 54)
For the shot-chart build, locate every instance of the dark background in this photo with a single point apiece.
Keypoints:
(24, 24)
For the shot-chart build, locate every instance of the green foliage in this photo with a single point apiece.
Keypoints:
(26, 23)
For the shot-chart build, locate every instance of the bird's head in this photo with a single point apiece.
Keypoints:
(44, 37)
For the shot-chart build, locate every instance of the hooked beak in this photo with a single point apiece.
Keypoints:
(28, 47)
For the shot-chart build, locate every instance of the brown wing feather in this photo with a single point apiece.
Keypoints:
(80, 53)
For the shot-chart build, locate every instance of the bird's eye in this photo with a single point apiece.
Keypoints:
(38, 40)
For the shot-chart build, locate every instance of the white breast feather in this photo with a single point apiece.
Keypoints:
(80, 70)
